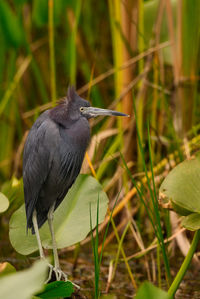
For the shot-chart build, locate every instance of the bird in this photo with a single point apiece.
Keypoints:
(52, 158)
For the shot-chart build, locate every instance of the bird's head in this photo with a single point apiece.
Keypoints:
(73, 107)
(82, 107)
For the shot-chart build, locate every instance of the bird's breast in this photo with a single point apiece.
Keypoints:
(78, 134)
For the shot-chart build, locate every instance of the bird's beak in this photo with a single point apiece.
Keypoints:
(93, 112)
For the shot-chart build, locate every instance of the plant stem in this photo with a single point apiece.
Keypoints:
(52, 52)
(174, 286)
(120, 245)
(124, 255)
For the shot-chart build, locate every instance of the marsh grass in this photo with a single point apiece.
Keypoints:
(47, 44)
(152, 208)
(95, 246)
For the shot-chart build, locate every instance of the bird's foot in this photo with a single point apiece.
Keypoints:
(59, 275)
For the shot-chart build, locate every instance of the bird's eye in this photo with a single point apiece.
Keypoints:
(81, 109)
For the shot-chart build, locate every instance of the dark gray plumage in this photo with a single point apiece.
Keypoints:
(54, 152)
(53, 155)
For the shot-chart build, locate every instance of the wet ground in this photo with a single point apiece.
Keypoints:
(190, 286)
(121, 286)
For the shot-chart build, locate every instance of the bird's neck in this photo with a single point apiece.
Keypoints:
(62, 116)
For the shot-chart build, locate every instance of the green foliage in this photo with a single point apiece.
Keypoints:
(25, 283)
(40, 11)
(181, 189)
(150, 13)
(8, 22)
(191, 222)
(191, 36)
(71, 219)
(4, 203)
(72, 44)
(56, 290)
(95, 244)
(13, 190)
(6, 268)
(85, 46)
(185, 265)
(153, 209)
(148, 290)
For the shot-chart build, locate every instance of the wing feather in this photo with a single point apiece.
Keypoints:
(37, 159)
(51, 163)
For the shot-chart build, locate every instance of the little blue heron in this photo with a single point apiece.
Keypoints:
(52, 159)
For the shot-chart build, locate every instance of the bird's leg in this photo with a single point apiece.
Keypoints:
(42, 256)
(35, 225)
(56, 269)
(50, 221)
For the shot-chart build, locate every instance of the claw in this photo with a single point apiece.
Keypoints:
(59, 275)
(50, 272)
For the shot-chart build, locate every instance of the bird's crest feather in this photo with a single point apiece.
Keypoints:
(71, 93)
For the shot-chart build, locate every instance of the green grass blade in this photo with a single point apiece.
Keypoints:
(52, 50)
(107, 226)
(157, 214)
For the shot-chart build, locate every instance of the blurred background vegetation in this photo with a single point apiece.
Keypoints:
(115, 52)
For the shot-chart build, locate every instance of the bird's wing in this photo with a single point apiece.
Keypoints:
(37, 158)
(70, 166)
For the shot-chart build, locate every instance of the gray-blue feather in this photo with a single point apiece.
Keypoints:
(53, 155)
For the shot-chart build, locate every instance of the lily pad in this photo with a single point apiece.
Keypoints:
(148, 290)
(191, 222)
(25, 283)
(182, 187)
(71, 219)
(4, 203)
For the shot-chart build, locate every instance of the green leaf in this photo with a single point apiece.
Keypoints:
(148, 290)
(40, 11)
(25, 283)
(20, 2)
(13, 190)
(10, 25)
(71, 219)
(57, 289)
(191, 222)
(4, 203)
(182, 188)
(190, 36)
(6, 268)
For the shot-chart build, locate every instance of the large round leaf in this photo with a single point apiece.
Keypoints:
(182, 187)
(24, 283)
(71, 219)
(4, 203)
(191, 222)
